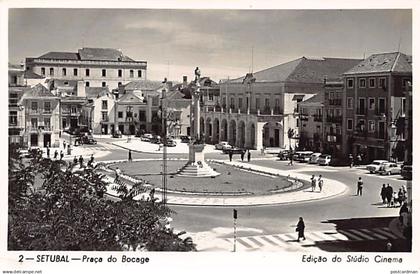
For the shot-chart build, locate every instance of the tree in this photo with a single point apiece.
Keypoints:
(54, 207)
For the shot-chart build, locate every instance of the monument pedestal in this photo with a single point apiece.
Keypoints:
(196, 166)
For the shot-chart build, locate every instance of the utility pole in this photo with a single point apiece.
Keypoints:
(165, 143)
(235, 216)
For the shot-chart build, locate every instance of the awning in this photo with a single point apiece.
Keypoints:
(298, 97)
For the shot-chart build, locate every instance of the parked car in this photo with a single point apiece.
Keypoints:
(407, 171)
(314, 158)
(324, 160)
(85, 139)
(305, 156)
(284, 155)
(156, 140)
(235, 150)
(389, 168)
(375, 165)
(272, 150)
(185, 139)
(117, 134)
(222, 145)
(147, 137)
(171, 143)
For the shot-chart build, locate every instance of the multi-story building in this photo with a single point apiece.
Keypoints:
(100, 110)
(137, 109)
(311, 123)
(20, 81)
(376, 106)
(333, 121)
(97, 67)
(41, 117)
(178, 110)
(261, 108)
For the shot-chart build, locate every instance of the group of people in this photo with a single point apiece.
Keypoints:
(393, 198)
(353, 162)
(315, 182)
(55, 154)
(81, 160)
(242, 155)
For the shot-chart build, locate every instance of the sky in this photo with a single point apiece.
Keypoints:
(223, 43)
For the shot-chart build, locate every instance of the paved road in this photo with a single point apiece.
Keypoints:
(209, 224)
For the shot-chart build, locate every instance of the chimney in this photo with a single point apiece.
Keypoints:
(184, 80)
(81, 90)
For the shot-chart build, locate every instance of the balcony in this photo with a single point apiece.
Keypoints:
(360, 133)
(334, 138)
(335, 119)
(334, 102)
(317, 118)
(304, 117)
(361, 111)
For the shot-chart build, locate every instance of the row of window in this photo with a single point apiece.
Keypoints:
(372, 82)
(257, 102)
(34, 122)
(369, 82)
(87, 72)
(47, 106)
(361, 125)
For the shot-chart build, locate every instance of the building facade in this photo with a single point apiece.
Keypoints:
(311, 126)
(41, 117)
(376, 106)
(260, 109)
(334, 119)
(97, 67)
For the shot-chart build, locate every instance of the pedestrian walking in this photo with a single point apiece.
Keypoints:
(242, 155)
(360, 187)
(300, 228)
(249, 156)
(383, 194)
(48, 152)
(130, 159)
(394, 199)
(230, 155)
(81, 161)
(55, 154)
(64, 144)
(61, 155)
(152, 194)
(400, 196)
(389, 192)
(313, 183)
(359, 159)
(75, 160)
(320, 183)
(351, 160)
(290, 159)
(117, 174)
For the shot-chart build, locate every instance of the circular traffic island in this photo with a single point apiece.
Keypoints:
(232, 181)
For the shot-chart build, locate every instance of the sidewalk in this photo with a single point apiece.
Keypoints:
(331, 189)
(146, 147)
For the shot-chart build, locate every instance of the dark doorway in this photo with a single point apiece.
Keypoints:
(34, 140)
(132, 129)
(47, 140)
(121, 128)
(276, 137)
(105, 129)
(73, 123)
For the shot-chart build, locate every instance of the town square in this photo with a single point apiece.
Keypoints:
(222, 138)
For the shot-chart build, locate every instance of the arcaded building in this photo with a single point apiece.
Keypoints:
(257, 110)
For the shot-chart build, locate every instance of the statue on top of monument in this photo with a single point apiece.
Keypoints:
(197, 73)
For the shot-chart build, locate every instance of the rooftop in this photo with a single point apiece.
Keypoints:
(96, 92)
(304, 70)
(384, 62)
(315, 100)
(38, 91)
(143, 85)
(93, 54)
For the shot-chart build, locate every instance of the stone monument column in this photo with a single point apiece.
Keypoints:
(196, 165)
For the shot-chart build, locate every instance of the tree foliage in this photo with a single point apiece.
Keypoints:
(52, 206)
